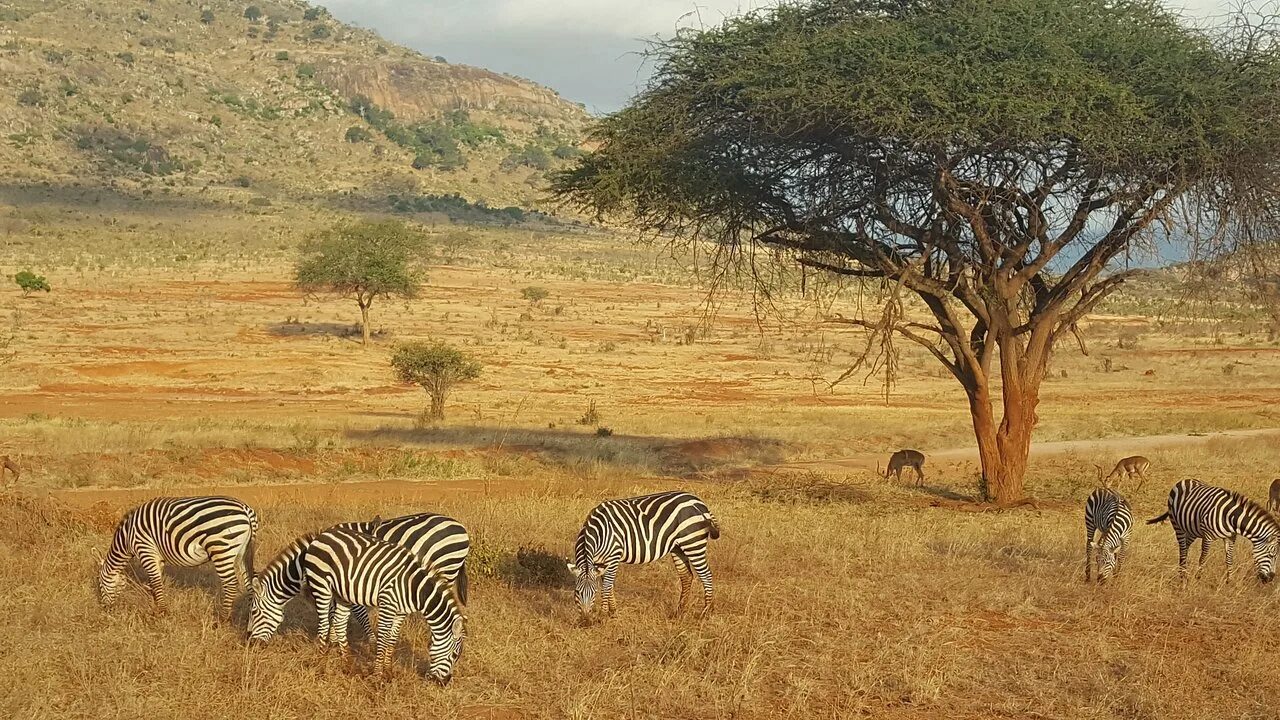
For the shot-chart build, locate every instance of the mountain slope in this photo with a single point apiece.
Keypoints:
(261, 97)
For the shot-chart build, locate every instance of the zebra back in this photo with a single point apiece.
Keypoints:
(642, 529)
(441, 543)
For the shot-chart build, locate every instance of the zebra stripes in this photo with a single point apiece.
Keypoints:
(186, 532)
(344, 568)
(1106, 513)
(641, 530)
(440, 543)
(1206, 512)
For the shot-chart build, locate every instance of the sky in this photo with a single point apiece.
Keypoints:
(587, 50)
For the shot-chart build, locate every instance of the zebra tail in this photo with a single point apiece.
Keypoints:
(713, 527)
(461, 582)
(1162, 518)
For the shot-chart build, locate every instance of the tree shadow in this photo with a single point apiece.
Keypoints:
(343, 331)
(672, 456)
(944, 493)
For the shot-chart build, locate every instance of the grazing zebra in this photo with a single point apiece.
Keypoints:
(187, 532)
(344, 568)
(440, 543)
(1206, 512)
(641, 530)
(1106, 512)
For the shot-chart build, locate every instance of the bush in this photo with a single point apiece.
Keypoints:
(206, 16)
(243, 181)
(435, 366)
(306, 71)
(320, 32)
(30, 282)
(532, 156)
(253, 13)
(313, 13)
(282, 55)
(535, 293)
(125, 57)
(357, 134)
(30, 97)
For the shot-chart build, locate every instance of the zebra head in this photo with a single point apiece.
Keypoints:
(585, 577)
(111, 581)
(446, 647)
(273, 588)
(1106, 563)
(1264, 556)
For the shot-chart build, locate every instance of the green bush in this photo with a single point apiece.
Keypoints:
(306, 70)
(357, 134)
(253, 13)
(531, 155)
(30, 282)
(435, 366)
(206, 16)
(282, 55)
(320, 32)
(313, 13)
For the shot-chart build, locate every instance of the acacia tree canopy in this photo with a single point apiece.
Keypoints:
(362, 261)
(995, 158)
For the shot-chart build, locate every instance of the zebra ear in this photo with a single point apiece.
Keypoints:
(255, 585)
(459, 628)
(573, 569)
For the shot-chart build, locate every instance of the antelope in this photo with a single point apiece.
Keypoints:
(1128, 467)
(11, 466)
(913, 459)
(1273, 498)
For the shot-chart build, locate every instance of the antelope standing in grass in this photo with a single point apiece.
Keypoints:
(7, 464)
(903, 459)
(1128, 467)
(1273, 497)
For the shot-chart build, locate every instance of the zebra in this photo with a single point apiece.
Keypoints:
(185, 531)
(344, 568)
(1197, 510)
(440, 543)
(641, 530)
(1107, 513)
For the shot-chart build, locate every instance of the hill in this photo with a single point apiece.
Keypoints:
(267, 99)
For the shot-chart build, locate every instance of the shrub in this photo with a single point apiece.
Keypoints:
(282, 55)
(30, 97)
(535, 293)
(243, 181)
(604, 432)
(30, 282)
(253, 13)
(591, 416)
(357, 134)
(125, 57)
(306, 70)
(320, 32)
(313, 13)
(532, 156)
(206, 16)
(435, 366)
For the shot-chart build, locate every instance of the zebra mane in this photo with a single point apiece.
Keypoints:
(287, 555)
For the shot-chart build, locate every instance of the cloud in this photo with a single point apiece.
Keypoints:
(588, 50)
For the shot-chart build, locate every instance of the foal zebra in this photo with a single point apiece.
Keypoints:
(1206, 512)
(344, 568)
(641, 530)
(187, 532)
(1106, 512)
(440, 543)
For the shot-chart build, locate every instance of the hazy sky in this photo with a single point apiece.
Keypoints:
(588, 50)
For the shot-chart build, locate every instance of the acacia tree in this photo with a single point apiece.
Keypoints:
(435, 366)
(995, 159)
(362, 261)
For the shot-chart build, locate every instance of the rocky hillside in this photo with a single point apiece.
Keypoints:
(260, 99)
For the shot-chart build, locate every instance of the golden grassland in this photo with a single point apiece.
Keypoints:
(193, 367)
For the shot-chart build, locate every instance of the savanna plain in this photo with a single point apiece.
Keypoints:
(174, 357)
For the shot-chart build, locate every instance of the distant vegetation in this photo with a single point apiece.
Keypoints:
(436, 367)
(459, 209)
(436, 144)
(30, 282)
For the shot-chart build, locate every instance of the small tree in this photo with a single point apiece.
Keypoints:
(362, 261)
(437, 367)
(357, 134)
(253, 13)
(31, 282)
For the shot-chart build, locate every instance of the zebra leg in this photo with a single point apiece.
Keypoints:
(1184, 544)
(227, 564)
(338, 626)
(388, 635)
(361, 614)
(686, 581)
(153, 569)
(1231, 551)
(606, 589)
(1205, 544)
(1088, 555)
(323, 597)
(698, 561)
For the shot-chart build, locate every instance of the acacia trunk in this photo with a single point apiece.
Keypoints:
(364, 324)
(1003, 448)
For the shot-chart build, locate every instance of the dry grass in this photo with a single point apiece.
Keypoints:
(864, 601)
